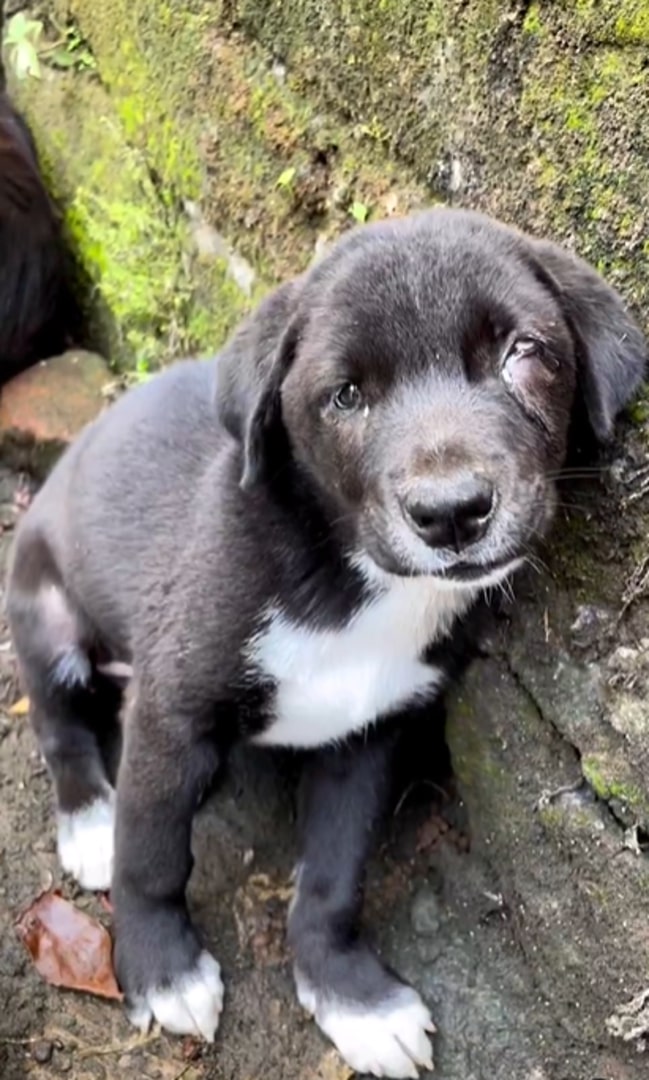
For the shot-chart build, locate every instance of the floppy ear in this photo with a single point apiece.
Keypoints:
(249, 375)
(611, 349)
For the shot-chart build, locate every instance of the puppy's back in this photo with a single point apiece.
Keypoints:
(125, 491)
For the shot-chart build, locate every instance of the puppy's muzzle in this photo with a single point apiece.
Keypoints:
(450, 512)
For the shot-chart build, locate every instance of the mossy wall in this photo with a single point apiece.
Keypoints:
(286, 119)
(535, 111)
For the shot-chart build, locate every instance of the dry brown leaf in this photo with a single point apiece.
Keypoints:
(20, 707)
(68, 947)
(330, 1067)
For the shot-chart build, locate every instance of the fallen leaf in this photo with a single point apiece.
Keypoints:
(68, 947)
(20, 708)
(330, 1067)
(192, 1049)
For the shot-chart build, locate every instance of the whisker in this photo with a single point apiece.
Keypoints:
(535, 560)
(562, 505)
(576, 471)
(506, 590)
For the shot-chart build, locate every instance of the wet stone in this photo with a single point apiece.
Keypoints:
(42, 1052)
(425, 914)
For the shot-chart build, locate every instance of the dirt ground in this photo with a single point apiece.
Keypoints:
(432, 907)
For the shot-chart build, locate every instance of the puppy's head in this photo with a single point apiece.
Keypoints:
(422, 377)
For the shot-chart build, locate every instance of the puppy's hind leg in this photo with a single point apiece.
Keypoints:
(70, 707)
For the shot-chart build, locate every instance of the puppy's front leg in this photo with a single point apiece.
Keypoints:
(165, 973)
(378, 1023)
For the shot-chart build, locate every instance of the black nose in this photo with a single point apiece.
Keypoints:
(450, 512)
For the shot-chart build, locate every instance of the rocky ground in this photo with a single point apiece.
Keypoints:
(433, 906)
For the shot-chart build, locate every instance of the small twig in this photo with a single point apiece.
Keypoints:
(183, 1071)
(413, 786)
(118, 1048)
(635, 588)
(546, 798)
(20, 1042)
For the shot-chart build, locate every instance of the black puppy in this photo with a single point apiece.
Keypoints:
(38, 315)
(278, 547)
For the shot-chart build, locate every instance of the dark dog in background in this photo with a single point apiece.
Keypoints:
(281, 547)
(38, 314)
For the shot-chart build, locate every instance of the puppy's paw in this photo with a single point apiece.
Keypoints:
(86, 842)
(391, 1039)
(190, 1005)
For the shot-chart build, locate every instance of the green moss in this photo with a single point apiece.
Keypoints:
(552, 817)
(120, 242)
(360, 115)
(155, 300)
(638, 413)
(221, 111)
(625, 22)
(602, 776)
(476, 760)
(127, 247)
(380, 60)
(532, 21)
(217, 308)
(133, 44)
(564, 822)
(577, 111)
(632, 23)
(574, 552)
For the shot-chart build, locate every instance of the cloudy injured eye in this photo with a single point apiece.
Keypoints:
(528, 370)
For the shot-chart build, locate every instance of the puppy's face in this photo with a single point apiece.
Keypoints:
(426, 385)
(429, 399)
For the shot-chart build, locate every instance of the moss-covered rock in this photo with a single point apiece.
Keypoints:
(279, 118)
(218, 127)
(566, 867)
(537, 112)
(153, 298)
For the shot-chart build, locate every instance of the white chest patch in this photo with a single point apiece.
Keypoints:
(331, 683)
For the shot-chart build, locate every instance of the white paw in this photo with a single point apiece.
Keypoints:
(86, 843)
(390, 1040)
(190, 1006)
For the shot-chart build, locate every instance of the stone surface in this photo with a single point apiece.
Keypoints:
(55, 399)
(43, 409)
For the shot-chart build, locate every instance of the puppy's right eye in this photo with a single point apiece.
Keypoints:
(347, 398)
(524, 357)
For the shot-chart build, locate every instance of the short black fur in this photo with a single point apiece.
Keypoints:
(39, 316)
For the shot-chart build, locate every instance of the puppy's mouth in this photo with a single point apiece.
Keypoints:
(480, 573)
(398, 551)
(473, 575)
(399, 555)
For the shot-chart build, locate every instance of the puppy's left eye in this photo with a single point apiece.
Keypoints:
(347, 398)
